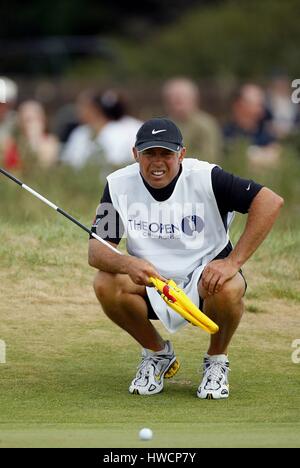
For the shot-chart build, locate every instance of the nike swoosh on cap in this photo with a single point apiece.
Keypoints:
(154, 132)
(248, 188)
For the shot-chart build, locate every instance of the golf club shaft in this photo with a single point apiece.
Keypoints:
(59, 210)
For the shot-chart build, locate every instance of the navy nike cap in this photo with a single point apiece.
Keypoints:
(159, 133)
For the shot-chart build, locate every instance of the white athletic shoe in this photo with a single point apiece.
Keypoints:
(155, 366)
(214, 385)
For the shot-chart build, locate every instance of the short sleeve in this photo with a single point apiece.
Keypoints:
(233, 193)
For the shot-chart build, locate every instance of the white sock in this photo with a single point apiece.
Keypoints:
(164, 350)
(217, 357)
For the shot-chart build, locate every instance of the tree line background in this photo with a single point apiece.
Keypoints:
(157, 38)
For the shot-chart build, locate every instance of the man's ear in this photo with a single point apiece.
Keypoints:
(135, 154)
(182, 154)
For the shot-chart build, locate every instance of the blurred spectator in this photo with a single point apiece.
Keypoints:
(8, 97)
(65, 121)
(201, 133)
(248, 123)
(36, 146)
(107, 134)
(283, 114)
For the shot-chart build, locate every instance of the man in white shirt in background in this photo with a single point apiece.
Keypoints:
(106, 135)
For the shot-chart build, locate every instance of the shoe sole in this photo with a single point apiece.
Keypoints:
(170, 372)
(210, 396)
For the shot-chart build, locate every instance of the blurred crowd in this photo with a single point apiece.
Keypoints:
(99, 130)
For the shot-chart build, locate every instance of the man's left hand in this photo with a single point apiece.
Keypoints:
(216, 273)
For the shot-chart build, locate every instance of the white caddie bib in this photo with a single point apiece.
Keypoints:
(179, 236)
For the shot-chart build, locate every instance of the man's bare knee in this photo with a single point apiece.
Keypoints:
(115, 285)
(103, 283)
(233, 290)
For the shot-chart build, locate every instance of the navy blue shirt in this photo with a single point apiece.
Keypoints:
(258, 137)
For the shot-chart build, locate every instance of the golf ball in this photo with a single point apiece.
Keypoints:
(145, 434)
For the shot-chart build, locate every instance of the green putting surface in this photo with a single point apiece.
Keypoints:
(165, 435)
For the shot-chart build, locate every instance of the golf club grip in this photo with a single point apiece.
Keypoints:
(86, 229)
(74, 220)
(10, 176)
(56, 208)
